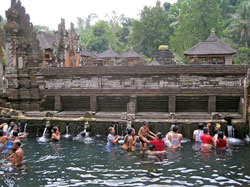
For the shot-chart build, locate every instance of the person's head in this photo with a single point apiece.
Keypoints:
(54, 129)
(200, 126)
(16, 144)
(151, 147)
(15, 133)
(111, 130)
(1, 133)
(175, 128)
(205, 130)
(129, 130)
(172, 126)
(133, 132)
(145, 124)
(15, 127)
(220, 135)
(159, 135)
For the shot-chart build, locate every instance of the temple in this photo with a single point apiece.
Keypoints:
(211, 51)
(54, 73)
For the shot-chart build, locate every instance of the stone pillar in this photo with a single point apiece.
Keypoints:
(58, 104)
(93, 103)
(172, 103)
(211, 104)
(228, 60)
(132, 105)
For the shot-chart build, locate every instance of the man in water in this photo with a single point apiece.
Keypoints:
(112, 139)
(143, 132)
(56, 135)
(18, 157)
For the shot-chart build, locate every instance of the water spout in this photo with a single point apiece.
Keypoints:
(230, 131)
(43, 138)
(67, 135)
(25, 127)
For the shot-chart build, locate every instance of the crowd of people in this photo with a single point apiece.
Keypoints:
(150, 142)
(204, 142)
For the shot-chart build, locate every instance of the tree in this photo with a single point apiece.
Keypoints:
(153, 29)
(194, 22)
(241, 23)
(83, 28)
(100, 35)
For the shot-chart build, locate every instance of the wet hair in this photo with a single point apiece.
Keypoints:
(200, 126)
(175, 128)
(15, 133)
(151, 147)
(110, 129)
(145, 123)
(130, 130)
(1, 132)
(171, 128)
(18, 143)
(205, 130)
(159, 135)
(54, 129)
(220, 135)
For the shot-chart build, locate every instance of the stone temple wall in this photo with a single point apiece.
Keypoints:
(207, 86)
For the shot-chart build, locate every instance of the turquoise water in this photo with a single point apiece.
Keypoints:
(75, 163)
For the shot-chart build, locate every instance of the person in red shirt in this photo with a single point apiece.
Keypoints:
(158, 143)
(221, 142)
(207, 141)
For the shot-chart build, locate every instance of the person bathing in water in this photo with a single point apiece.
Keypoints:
(56, 135)
(112, 139)
(158, 143)
(3, 139)
(221, 142)
(207, 140)
(143, 132)
(130, 140)
(175, 138)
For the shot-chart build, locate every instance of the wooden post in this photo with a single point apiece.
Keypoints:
(172, 103)
(93, 103)
(211, 103)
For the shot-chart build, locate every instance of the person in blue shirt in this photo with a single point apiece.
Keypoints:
(112, 139)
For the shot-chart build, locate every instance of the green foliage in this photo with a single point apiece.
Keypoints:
(152, 30)
(46, 29)
(240, 25)
(242, 56)
(99, 37)
(192, 21)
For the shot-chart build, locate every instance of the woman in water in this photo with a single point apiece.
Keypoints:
(55, 134)
(197, 133)
(130, 140)
(207, 140)
(221, 143)
(158, 143)
(175, 138)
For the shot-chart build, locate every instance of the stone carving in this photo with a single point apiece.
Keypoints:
(172, 115)
(215, 116)
(23, 57)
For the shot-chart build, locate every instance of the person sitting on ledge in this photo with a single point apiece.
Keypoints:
(143, 132)
(158, 143)
(207, 140)
(130, 140)
(112, 139)
(55, 134)
(175, 138)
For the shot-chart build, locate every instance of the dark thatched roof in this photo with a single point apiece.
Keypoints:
(90, 54)
(46, 40)
(212, 46)
(131, 54)
(109, 54)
